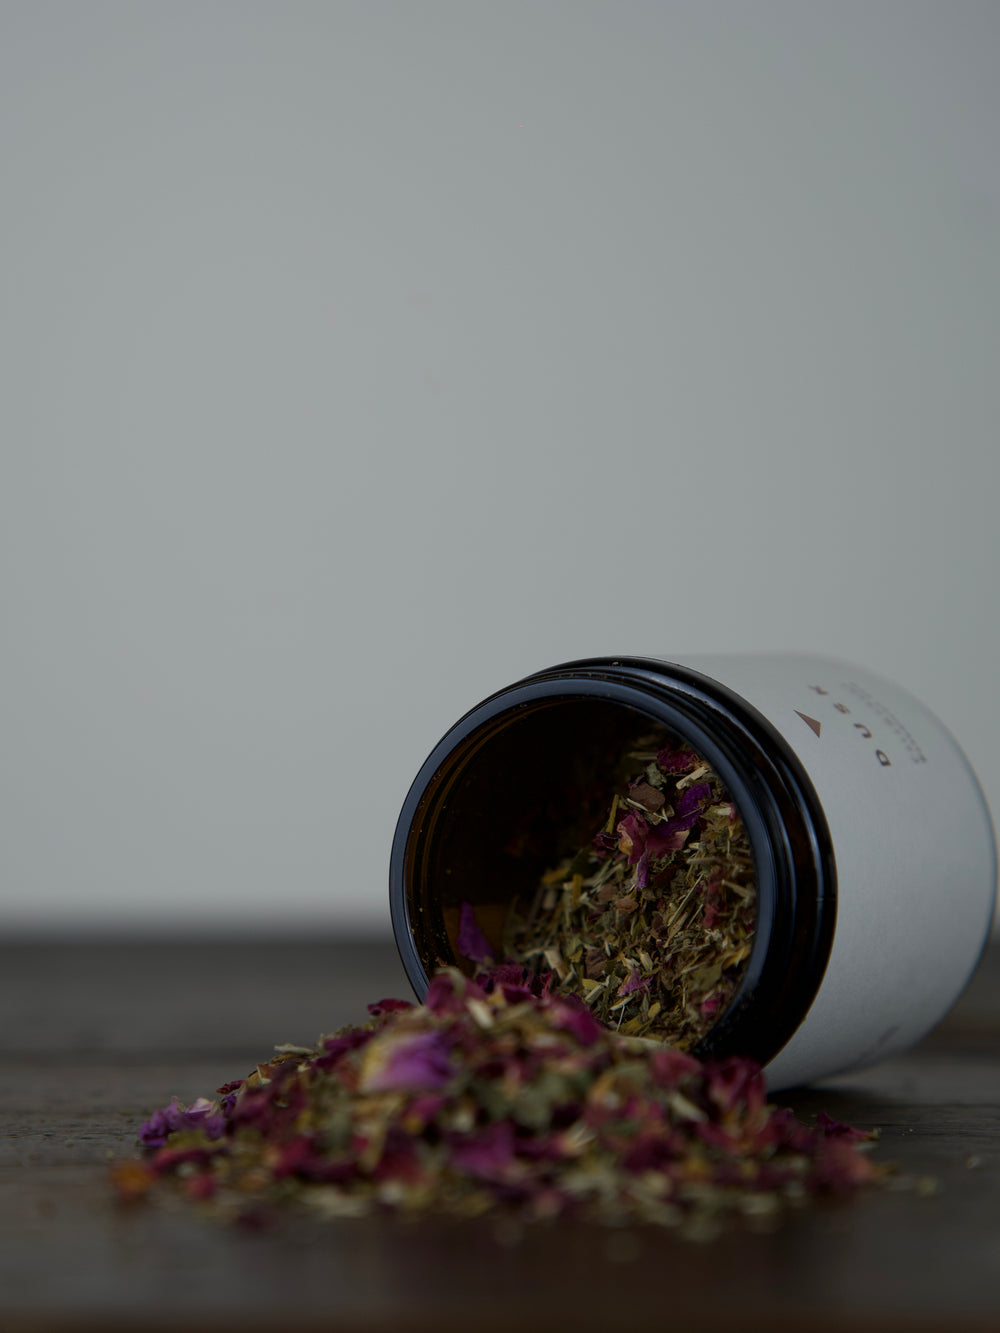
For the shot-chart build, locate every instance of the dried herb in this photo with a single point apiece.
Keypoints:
(653, 920)
(497, 1093)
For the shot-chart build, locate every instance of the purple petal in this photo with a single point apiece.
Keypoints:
(642, 871)
(716, 1137)
(650, 1151)
(488, 1153)
(472, 943)
(672, 835)
(571, 1015)
(693, 800)
(301, 1157)
(670, 1066)
(669, 837)
(399, 1160)
(633, 982)
(408, 1062)
(783, 1130)
(205, 1116)
(201, 1114)
(335, 1048)
(839, 1167)
(447, 993)
(253, 1107)
(676, 761)
(516, 982)
(836, 1129)
(160, 1125)
(735, 1080)
(422, 1110)
(389, 1006)
(632, 833)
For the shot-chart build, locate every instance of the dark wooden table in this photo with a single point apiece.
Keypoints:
(93, 1036)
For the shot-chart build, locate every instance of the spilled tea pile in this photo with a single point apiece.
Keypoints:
(652, 921)
(536, 1087)
(497, 1093)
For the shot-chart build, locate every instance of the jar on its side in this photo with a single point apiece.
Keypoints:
(873, 850)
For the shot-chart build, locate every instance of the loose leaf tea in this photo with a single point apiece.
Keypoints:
(497, 1093)
(652, 921)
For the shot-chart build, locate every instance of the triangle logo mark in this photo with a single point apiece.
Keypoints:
(810, 722)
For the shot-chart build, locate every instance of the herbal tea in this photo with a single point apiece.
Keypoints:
(651, 921)
(495, 1095)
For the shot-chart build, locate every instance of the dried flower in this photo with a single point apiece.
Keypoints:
(402, 1061)
(499, 1094)
(472, 943)
(652, 921)
(201, 1114)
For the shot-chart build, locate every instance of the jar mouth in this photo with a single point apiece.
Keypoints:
(462, 833)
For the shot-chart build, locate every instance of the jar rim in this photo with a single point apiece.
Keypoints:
(792, 848)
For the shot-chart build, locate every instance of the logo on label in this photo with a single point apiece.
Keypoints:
(884, 720)
(810, 721)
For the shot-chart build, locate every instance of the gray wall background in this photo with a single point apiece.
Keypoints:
(358, 358)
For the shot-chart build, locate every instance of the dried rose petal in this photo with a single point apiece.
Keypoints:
(487, 1153)
(570, 1014)
(448, 992)
(836, 1129)
(693, 799)
(201, 1114)
(421, 1111)
(736, 1080)
(668, 837)
(161, 1124)
(406, 1062)
(471, 942)
(669, 1067)
(633, 982)
(838, 1166)
(642, 870)
(335, 1048)
(632, 833)
(676, 761)
(528, 1104)
(389, 1006)
(652, 1151)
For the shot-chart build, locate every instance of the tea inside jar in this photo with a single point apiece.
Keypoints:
(652, 919)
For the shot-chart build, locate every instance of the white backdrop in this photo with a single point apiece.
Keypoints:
(359, 358)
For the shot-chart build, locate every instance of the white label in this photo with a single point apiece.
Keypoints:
(914, 849)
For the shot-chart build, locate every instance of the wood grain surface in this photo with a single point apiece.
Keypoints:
(95, 1035)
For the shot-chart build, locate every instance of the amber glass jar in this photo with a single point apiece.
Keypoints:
(873, 850)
